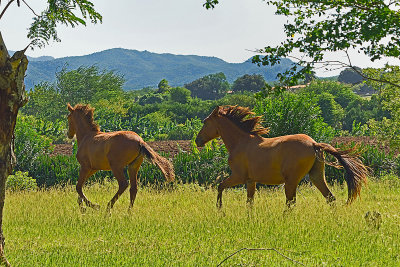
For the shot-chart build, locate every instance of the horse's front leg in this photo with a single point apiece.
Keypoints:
(251, 189)
(84, 174)
(232, 180)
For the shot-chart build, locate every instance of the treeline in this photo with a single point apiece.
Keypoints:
(322, 109)
(169, 112)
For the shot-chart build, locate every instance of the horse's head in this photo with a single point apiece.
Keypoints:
(209, 130)
(71, 126)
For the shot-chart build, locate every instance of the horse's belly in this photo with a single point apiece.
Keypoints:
(100, 163)
(266, 175)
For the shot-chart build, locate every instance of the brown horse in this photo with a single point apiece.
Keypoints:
(109, 151)
(280, 160)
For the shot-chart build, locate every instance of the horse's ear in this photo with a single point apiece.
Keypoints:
(70, 108)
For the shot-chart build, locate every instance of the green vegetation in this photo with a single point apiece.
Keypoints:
(322, 109)
(288, 113)
(177, 223)
(20, 181)
(251, 83)
(182, 227)
(212, 86)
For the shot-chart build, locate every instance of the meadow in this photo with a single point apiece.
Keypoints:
(183, 227)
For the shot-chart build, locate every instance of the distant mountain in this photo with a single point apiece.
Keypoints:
(143, 68)
(31, 59)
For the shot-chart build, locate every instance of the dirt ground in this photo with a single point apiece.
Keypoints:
(173, 146)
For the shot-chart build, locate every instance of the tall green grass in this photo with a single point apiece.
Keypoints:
(182, 227)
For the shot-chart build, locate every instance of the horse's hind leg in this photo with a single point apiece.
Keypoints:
(251, 189)
(122, 185)
(290, 191)
(133, 169)
(84, 174)
(317, 177)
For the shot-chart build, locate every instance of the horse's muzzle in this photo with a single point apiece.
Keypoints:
(199, 142)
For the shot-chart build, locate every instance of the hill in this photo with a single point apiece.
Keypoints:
(143, 68)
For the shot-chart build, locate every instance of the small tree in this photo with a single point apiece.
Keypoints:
(351, 76)
(212, 86)
(180, 95)
(163, 86)
(289, 113)
(247, 82)
(83, 85)
(332, 112)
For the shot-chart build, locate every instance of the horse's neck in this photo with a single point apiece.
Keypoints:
(231, 134)
(83, 129)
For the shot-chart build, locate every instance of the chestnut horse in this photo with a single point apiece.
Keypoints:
(109, 151)
(280, 160)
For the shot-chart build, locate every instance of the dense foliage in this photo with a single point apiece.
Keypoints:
(252, 83)
(288, 113)
(322, 109)
(212, 86)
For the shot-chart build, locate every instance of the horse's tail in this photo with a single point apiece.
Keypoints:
(165, 165)
(355, 171)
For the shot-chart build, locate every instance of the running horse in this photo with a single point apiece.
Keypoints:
(109, 151)
(280, 160)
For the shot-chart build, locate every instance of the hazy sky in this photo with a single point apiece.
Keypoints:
(230, 31)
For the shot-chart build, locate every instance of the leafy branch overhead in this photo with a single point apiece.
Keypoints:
(67, 12)
(315, 27)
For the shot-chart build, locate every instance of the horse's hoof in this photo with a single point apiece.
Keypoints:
(82, 209)
(96, 206)
(108, 213)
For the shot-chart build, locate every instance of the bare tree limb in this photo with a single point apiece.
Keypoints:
(33, 11)
(4, 10)
(256, 249)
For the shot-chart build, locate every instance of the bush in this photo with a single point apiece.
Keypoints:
(288, 113)
(200, 167)
(20, 181)
(380, 162)
(185, 131)
(29, 144)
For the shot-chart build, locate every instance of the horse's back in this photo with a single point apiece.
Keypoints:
(113, 148)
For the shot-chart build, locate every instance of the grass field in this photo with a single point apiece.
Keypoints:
(182, 227)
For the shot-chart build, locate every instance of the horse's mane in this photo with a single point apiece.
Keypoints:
(87, 115)
(244, 118)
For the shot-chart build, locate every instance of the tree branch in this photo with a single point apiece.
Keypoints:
(33, 11)
(4, 10)
(265, 249)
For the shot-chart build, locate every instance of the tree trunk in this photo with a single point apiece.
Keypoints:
(12, 98)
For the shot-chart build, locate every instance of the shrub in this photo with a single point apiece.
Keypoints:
(185, 131)
(20, 181)
(201, 167)
(289, 113)
(29, 144)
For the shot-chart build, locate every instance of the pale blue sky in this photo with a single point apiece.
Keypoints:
(176, 26)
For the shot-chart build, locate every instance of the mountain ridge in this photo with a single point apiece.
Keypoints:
(143, 68)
